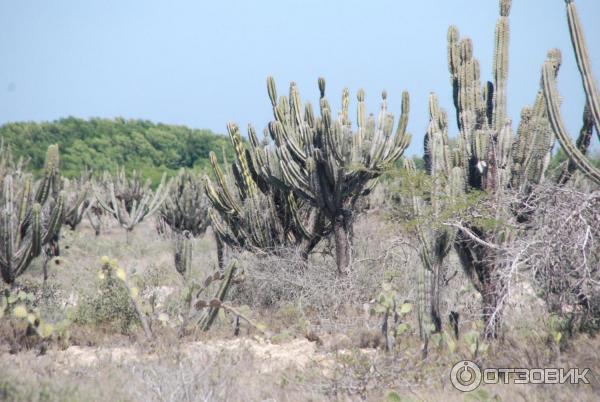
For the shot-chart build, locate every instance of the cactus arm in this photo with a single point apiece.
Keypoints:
(51, 175)
(501, 64)
(583, 61)
(100, 199)
(583, 143)
(119, 207)
(225, 196)
(158, 198)
(236, 140)
(25, 198)
(217, 201)
(209, 317)
(55, 221)
(551, 95)
(34, 246)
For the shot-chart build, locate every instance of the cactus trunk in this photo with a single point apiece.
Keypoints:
(341, 232)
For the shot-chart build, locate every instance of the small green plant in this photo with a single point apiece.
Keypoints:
(19, 306)
(393, 311)
(116, 302)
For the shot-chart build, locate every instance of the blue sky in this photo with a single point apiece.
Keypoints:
(204, 63)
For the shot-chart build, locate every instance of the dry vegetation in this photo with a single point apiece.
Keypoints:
(313, 283)
(322, 341)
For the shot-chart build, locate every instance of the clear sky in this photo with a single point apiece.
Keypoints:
(204, 63)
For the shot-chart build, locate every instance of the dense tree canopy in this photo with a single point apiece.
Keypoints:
(101, 144)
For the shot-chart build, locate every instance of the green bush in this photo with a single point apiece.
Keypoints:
(110, 306)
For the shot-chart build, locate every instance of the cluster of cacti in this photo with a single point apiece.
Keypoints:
(591, 114)
(253, 213)
(185, 213)
(303, 181)
(323, 161)
(186, 207)
(129, 199)
(487, 157)
(29, 218)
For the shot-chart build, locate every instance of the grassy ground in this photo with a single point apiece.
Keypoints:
(322, 340)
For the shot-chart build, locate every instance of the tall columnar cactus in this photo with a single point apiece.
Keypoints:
(255, 214)
(24, 228)
(591, 115)
(324, 161)
(446, 184)
(47, 193)
(128, 199)
(50, 184)
(489, 158)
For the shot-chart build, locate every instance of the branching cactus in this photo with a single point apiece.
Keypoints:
(77, 200)
(24, 228)
(186, 207)
(591, 114)
(94, 217)
(129, 200)
(185, 212)
(489, 158)
(254, 214)
(324, 161)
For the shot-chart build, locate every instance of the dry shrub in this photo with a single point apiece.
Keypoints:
(564, 251)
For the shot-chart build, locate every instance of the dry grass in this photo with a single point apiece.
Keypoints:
(325, 343)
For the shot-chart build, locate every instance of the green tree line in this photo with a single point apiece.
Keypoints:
(104, 144)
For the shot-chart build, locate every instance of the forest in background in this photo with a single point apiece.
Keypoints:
(103, 144)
